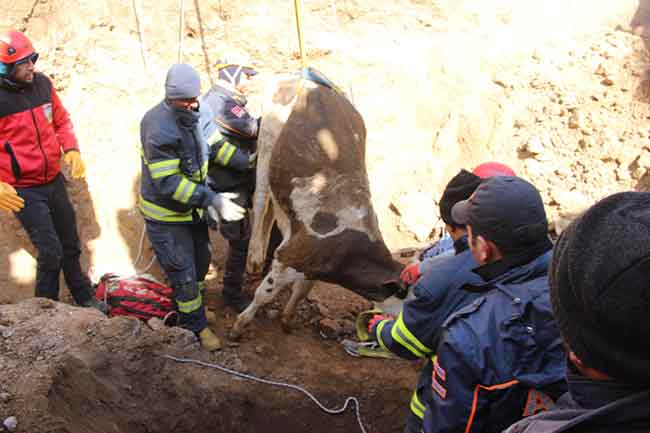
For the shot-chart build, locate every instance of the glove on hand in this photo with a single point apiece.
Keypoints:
(411, 274)
(228, 210)
(375, 319)
(77, 166)
(10, 201)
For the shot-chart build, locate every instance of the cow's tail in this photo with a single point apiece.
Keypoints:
(279, 99)
(262, 205)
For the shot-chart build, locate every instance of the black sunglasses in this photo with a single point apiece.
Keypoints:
(33, 57)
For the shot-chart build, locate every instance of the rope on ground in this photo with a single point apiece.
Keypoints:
(339, 411)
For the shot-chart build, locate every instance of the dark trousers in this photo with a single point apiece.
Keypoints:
(413, 423)
(50, 222)
(183, 251)
(238, 235)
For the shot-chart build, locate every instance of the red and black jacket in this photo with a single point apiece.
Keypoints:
(34, 129)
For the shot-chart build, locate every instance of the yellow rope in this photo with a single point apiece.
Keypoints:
(296, 7)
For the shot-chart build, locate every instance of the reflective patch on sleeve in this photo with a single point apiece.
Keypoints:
(417, 407)
(438, 388)
(403, 335)
(537, 402)
(380, 340)
(216, 137)
(184, 191)
(225, 153)
(442, 374)
(164, 168)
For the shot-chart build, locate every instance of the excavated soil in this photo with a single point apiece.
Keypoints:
(559, 90)
(66, 369)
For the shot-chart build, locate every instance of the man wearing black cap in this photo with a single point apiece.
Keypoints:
(438, 293)
(601, 298)
(500, 357)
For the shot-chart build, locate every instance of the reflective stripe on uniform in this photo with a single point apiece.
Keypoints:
(184, 190)
(401, 334)
(164, 168)
(216, 137)
(225, 153)
(416, 406)
(191, 305)
(200, 175)
(379, 339)
(159, 213)
(201, 286)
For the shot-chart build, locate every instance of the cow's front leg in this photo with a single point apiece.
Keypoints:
(299, 290)
(279, 277)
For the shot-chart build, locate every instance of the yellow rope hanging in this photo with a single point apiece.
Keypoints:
(296, 7)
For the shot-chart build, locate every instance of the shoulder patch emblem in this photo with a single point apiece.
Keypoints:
(237, 111)
(537, 402)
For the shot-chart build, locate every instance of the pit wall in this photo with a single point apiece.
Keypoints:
(424, 81)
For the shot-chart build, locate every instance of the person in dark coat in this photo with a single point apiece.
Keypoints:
(500, 357)
(601, 299)
(438, 293)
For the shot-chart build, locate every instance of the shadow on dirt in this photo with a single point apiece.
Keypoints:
(16, 282)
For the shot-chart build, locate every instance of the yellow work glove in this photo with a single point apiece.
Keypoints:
(77, 166)
(10, 201)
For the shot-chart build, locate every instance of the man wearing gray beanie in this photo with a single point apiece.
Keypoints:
(600, 291)
(174, 195)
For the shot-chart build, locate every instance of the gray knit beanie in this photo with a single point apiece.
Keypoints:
(600, 286)
(183, 82)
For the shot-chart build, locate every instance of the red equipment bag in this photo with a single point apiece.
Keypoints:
(135, 296)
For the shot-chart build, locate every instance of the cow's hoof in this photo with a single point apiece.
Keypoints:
(234, 334)
(288, 325)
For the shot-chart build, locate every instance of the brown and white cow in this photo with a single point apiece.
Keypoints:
(312, 181)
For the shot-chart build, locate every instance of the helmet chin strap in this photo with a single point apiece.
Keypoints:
(8, 80)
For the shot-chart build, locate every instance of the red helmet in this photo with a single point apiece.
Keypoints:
(14, 46)
(489, 169)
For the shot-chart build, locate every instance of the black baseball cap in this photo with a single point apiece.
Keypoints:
(506, 210)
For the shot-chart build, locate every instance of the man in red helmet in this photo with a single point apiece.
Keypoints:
(36, 131)
(445, 246)
(492, 168)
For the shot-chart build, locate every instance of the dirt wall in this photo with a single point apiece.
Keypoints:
(441, 86)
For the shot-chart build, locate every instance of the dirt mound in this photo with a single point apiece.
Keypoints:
(441, 85)
(66, 369)
(558, 90)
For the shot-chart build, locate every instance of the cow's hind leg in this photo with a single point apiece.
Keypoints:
(279, 277)
(299, 290)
